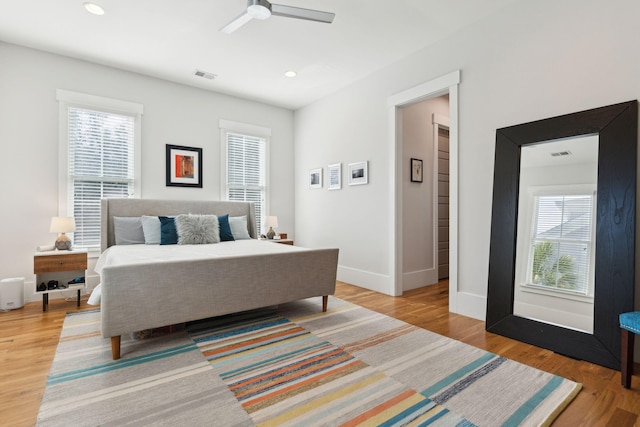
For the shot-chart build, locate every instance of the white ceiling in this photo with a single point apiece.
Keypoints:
(170, 39)
(582, 149)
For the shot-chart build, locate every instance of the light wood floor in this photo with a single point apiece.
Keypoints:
(28, 340)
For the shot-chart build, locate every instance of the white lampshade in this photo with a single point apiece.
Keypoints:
(272, 221)
(62, 224)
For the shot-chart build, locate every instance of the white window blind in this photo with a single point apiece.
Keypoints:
(99, 156)
(562, 242)
(101, 164)
(246, 172)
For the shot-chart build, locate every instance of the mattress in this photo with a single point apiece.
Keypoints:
(152, 254)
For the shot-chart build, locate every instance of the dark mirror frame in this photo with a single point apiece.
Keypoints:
(617, 128)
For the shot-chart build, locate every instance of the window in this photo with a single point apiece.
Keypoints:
(245, 166)
(99, 154)
(562, 242)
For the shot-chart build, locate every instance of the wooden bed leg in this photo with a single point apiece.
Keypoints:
(115, 347)
(325, 301)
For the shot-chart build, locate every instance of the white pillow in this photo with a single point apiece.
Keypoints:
(151, 229)
(128, 230)
(238, 226)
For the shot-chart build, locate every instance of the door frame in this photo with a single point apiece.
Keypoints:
(431, 89)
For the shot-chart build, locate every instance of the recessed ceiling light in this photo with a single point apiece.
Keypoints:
(93, 8)
(290, 74)
(205, 74)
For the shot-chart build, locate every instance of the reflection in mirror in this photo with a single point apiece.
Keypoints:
(555, 252)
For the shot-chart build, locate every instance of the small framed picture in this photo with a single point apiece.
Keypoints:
(184, 166)
(315, 178)
(416, 170)
(358, 173)
(335, 176)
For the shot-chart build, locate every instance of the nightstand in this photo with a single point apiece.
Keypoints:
(61, 266)
(282, 241)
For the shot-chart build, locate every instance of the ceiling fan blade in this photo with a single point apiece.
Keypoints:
(300, 13)
(236, 23)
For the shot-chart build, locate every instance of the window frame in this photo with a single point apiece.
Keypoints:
(69, 99)
(525, 260)
(255, 131)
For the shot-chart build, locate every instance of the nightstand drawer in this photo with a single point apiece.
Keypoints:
(63, 262)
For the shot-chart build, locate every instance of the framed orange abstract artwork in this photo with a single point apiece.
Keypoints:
(184, 166)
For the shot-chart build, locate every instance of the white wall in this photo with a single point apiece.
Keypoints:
(419, 232)
(347, 127)
(531, 61)
(173, 114)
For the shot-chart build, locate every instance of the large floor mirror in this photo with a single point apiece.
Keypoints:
(561, 265)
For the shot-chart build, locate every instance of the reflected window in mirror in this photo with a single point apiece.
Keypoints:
(555, 256)
(559, 256)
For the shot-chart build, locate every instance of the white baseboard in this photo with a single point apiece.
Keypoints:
(365, 279)
(561, 318)
(418, 279)
(471, 305)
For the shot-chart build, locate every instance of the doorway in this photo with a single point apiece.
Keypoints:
(447, 84)
(425, 210)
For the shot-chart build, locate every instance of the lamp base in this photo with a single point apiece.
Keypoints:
(63, 243)
(271, 234)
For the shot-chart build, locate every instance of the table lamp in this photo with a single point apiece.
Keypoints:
(272, 221)
(62, 225)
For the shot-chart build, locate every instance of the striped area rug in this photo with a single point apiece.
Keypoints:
(293, 366)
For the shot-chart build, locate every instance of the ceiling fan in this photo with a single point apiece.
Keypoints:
(262, 9)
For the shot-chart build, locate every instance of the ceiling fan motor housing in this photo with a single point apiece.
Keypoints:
(259, 9)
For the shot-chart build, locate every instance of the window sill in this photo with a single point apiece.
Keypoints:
(558, 293)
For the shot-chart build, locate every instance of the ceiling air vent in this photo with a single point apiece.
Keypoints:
(561, 153)
(205, 74)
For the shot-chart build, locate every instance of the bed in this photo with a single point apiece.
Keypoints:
(142, 289)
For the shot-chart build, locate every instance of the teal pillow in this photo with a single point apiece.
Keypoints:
(168, 232)
(225, 229)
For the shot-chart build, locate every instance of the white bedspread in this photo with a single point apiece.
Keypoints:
(145, 254)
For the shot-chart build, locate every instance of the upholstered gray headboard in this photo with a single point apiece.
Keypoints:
(139, 207)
